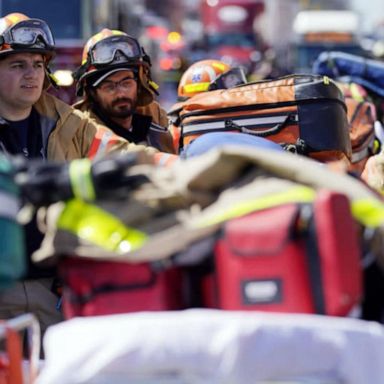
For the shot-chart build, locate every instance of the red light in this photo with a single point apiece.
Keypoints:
(166, 63)
(157, 32)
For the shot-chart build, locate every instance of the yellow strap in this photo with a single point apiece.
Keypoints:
(99, 227)
(299, 194)
(153, 84)
(355, 92)
(81, 180)
(368, 212)
(376, 146)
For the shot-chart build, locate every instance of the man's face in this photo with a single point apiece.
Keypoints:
(116, 96)
(21, 81)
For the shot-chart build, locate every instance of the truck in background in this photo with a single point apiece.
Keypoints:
(230, 31)
(316, 31)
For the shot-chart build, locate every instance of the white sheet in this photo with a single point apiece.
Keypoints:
(211, 346)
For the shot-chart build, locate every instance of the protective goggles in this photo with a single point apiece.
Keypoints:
(235, 76)
(115, 49)
(31, 33)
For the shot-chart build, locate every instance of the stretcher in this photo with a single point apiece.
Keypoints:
(14, 368)
(213, 346)
(352, 68)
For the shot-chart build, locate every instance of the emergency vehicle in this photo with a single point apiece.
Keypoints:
(230, 30)
(316, 31)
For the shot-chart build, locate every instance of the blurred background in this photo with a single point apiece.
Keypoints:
(268, 38)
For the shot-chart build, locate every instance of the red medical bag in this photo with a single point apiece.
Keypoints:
(302, 258)
(92, 287)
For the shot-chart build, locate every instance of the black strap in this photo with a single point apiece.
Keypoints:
(313, 260)
(231, 125)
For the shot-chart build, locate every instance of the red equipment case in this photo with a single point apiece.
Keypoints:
(92, 287)
(290, 258)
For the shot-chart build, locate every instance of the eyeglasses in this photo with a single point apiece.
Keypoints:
(33, 33)
(235, 76)
(115, 49)
(110, 87)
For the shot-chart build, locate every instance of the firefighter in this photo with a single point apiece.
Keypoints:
(35, 124)
(208, 75)
(203, 76)
(115, 82)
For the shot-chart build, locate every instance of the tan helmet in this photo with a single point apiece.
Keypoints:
(109, 50)
(19, 33)
(207, 75)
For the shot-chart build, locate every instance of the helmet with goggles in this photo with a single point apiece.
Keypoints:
(111, 50)
(19, 33)
(207, 75)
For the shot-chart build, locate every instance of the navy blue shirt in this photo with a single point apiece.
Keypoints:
(24, 137)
